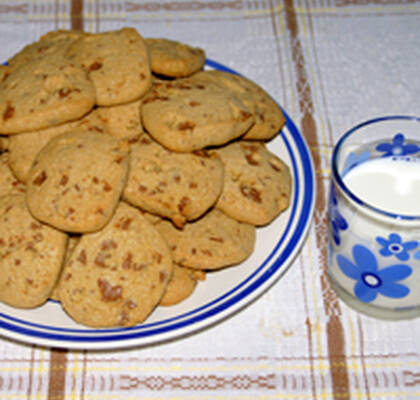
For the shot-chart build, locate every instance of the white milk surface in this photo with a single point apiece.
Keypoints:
(391, 184)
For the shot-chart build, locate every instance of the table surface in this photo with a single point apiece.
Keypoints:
(331, 64)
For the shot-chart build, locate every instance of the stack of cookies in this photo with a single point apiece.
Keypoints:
(128, 172)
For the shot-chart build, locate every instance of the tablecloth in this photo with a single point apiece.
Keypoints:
(331, 64)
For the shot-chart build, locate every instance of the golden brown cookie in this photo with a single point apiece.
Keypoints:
(4, 140)
(257, 183)
(31, 255)
(212, 242)
(4, 72)
(45, 92)
(72, 242)
(269, 117)
(181, 285)
(4, 143)
(54, 42)
(174, 59)
(122, 121)
(118, 275)
(24, 147)
(152, 218)
(117, 62)
(192, 113)
(179, 186)
(77, 179)
(8, 182)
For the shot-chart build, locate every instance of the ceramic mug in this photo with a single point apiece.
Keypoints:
(374, 250)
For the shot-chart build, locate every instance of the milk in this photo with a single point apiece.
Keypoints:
(391, 184)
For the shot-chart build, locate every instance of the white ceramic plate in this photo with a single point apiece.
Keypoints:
(220, 295)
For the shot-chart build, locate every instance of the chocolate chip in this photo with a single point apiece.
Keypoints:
(40, 179)
(8, 112)
(109, 292)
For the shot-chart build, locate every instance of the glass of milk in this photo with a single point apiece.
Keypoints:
(374, 218)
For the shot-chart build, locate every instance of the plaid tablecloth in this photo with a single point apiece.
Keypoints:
(331, 64)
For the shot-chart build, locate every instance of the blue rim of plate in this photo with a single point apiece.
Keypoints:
(262, 277)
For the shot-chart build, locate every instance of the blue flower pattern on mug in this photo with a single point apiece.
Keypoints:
(353, 159)
(394, 246)
(337, 221)
(397, 147)
(370, 281)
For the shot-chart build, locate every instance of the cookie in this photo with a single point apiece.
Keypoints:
(117, 62)
(4, 72)
(192, 113)
(54, 42)
(257, 184)
(31, 254)
(269, 117)
(77, 179)
(72, 242)
(8, 182)
(181, 285)
(174, 59)
(24, 147)
(179, 186)
(152, 218)
(212, 242)
(4, 143)
(117, 276)
(45, 92)
(122, 121)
